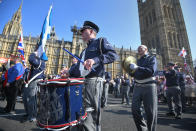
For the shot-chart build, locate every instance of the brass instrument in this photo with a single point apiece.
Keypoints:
(126, 64)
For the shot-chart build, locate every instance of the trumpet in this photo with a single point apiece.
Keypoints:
(126, 64)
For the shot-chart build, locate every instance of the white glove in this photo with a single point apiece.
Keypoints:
(133, 66)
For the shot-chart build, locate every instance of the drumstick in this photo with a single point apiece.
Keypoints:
(76, 57)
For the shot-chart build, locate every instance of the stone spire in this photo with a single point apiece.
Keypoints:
(14, 26)
(53, 35)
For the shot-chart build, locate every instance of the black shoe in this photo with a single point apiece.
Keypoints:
(170, 114)
(102, 106)
(178, 117)
(25, 116)
(4, 111)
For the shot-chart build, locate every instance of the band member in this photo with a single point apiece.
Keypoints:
(13, 82)
(125, 88)
(173, 91)
(145, 90)
(104, 98)
(117, 81)
(98, 52)
(30, 91)
(181, 82)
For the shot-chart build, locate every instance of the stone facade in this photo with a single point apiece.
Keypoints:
(162, 27)
(154, 35)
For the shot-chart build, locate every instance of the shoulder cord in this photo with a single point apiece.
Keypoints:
(39, 65)
(100, 46)
(100, 43)
(26, 84)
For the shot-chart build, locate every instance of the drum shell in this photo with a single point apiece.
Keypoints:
(59, 104)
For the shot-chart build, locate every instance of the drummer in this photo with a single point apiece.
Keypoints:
(98, 52)
(65, 69)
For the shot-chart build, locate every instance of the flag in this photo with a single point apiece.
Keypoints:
(21, 48)
(46, 28)
(182, 53)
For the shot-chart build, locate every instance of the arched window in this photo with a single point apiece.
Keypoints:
(165, 11)
(118, 66)
(65, 62)
(175, 40)
(1, 44)
(32, 48)
(150, 18)
(153, 15)
(110, 66)
(146, 21)
(168, 11)
(153, 43)
(178, 41)
(170, 39)
(55, 61)
(158, 44)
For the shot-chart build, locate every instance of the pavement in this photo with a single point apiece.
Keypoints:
(115, 117)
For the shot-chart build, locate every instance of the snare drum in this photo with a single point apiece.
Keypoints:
(60, 103)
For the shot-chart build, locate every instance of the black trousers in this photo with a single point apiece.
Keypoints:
(11, 93)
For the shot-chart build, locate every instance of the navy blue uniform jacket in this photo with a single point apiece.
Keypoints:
(171, 78)
(37, 65)
(147, 67)
(93, 52)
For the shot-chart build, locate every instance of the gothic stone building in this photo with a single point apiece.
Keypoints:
(162, 27)
(154, 26)
(57, 58)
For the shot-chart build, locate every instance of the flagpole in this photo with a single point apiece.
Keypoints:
(45, 34)
(187, 67)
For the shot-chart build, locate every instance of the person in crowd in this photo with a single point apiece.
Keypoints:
(117, 86)
(125, 88)
(173, 91)
(74, 62)
(12, 83)
(145, 90)
(181, 82)
(190, 90)
(111, 87)
(158, 88)
(65, 70)
(132, 83)
(161, 95)
(30, 91)
(2, 94)
(104, 98)
(98, 52)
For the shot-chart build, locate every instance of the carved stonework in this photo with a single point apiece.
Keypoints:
(14, 26)
(162, 27)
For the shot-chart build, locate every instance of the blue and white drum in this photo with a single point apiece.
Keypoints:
(60, 103)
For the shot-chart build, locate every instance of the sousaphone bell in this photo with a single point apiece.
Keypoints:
(126, 64)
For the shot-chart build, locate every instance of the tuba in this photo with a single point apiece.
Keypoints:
(126, 64)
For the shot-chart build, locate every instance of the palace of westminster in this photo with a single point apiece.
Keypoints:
(162, 29)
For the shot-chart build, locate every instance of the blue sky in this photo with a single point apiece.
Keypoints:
(118, 19)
